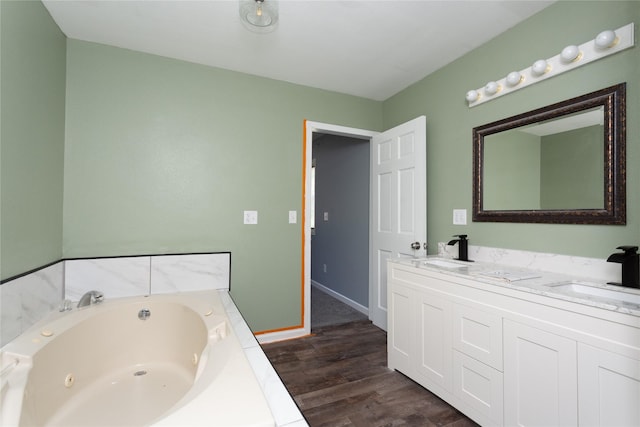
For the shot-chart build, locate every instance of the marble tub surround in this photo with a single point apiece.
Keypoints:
(26, 300)
(115, 277)
(195, 272)
(593, 269)
(533, 280)
(143, 275)
(283, 408)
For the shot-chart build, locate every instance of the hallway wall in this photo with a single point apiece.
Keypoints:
(342, 242)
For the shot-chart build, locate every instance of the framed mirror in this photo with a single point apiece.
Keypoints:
(563, 163)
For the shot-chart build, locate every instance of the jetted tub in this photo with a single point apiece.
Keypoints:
(161, 360)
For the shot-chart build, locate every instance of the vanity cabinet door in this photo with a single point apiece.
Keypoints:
(419, 336)
(434, 356)
(401, 336)
(540, 379)
(608, 388)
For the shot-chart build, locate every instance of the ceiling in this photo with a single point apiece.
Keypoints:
(372, 49)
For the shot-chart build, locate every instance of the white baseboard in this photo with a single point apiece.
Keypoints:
(282, 335)
(351, 303)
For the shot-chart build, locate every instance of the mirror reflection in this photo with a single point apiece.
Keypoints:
(554, 164)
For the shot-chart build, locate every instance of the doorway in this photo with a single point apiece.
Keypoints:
(397, 205)
(320, 130)
(340, 181)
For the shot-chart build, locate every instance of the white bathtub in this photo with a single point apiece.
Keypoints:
(103, 366)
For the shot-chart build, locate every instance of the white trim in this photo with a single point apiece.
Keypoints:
(310, 128)
(282, 335)
(351, 303)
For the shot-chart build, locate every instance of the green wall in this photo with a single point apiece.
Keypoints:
(163, 156)
(32, 83)
(440, 96)
(511, 178)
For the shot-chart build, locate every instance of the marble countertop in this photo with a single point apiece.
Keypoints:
(533, 281)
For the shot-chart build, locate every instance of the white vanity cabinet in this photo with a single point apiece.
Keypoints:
(508, 357)
(449, 345)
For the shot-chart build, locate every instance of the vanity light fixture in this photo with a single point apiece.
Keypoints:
(604, 44)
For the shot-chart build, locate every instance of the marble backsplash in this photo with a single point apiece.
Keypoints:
(27, 299)
(593, 269)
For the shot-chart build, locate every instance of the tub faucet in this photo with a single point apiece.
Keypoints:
(630, 266)
(463, 246)
(91, 297)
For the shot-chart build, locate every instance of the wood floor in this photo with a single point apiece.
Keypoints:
(339, 377)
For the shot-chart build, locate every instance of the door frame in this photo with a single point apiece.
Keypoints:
(304, 327)
(309, 129)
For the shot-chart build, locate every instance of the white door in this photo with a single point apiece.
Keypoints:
(398, 205)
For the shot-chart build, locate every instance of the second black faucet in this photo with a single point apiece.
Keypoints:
(630, 261)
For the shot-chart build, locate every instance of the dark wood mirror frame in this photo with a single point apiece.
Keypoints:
(613, 99)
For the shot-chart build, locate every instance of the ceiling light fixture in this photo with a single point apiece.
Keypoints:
(260, 16)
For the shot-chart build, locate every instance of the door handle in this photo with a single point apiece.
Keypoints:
(415, 245)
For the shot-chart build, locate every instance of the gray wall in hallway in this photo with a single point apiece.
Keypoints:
(342, 242)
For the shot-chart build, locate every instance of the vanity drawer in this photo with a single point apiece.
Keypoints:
(478, 334)
(479, 387)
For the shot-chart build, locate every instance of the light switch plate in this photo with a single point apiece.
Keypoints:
(460, 217)
(293, 217)
(326, 216)
(250, 217)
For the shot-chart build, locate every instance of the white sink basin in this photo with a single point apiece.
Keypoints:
(444, 263)
(583, 289)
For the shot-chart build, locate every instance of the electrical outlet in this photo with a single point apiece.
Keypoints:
(324, 268)
(293, 217)
(459, 217)
(250, 217)
(326, 216)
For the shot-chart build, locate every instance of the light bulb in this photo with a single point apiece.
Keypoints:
(472, 96)
(540, 67)
(606, 39)
(570, 54)
(259, 16)
(514, 78)
(492, 88)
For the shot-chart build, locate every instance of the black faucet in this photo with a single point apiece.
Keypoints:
(463, 247)
(630, 266)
